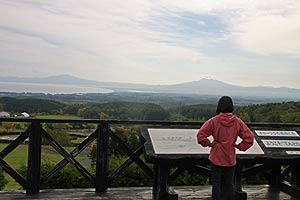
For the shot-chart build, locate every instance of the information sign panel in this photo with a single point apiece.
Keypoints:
(293, 152)
(184, 141)
(277, 133)
(281, 143)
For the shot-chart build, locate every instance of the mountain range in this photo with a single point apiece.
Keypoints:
(200, 87)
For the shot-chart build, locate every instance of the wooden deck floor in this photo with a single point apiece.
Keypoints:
(258, 192)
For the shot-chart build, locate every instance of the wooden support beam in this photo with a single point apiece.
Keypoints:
(295, 174)
(34, 159)
(290, 189)
(102, 158)
(161, 183)
(286, 172)
(275, 178)
(255, 169)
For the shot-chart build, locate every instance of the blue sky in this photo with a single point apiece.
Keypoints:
(247, 43)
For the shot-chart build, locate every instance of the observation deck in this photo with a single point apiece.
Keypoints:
(104, 134)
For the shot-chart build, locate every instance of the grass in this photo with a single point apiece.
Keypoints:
(58, 117)
(18, 157)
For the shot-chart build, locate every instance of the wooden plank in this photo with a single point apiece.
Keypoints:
(123, 193)
(255, 192)
(34, 159)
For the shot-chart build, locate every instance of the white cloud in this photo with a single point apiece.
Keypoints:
(141, 41)
(263, 27)
(269, 28)
(83, 30)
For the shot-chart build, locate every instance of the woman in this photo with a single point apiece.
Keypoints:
(224, 128)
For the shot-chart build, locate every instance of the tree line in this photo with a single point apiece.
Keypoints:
(269, 112)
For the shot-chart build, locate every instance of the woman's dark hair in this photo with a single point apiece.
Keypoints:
(225, 105)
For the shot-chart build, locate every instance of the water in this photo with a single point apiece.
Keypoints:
(50, 88)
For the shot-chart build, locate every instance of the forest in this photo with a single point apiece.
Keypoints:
(287, 112)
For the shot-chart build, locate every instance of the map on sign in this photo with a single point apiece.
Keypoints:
(281, 143)
(184, 141)
(277, 133)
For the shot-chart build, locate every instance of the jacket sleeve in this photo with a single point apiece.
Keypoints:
(204, 132)
(247, 137)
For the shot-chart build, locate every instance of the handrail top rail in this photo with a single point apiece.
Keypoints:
(136, 122)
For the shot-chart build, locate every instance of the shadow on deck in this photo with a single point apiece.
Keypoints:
(255, 192)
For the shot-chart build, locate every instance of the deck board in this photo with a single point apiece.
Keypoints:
(257, 192)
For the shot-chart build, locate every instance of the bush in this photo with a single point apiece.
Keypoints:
(187, 178)
(67, 177)
(257, 179)
(3, 181)
(131, 176)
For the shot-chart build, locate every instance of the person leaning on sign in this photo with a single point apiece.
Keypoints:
(224, 128)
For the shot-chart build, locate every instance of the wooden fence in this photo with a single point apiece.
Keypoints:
(102, 135)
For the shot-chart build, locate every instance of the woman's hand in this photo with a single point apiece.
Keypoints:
(213, 143)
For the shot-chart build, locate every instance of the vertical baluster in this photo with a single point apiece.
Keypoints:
(34, 159)
(102, 158)
(295, 175)
(275, 175)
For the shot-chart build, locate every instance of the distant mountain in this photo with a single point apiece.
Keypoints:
(210, 86)
(61, 79)
(201, 87)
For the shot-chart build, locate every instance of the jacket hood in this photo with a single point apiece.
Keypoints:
(226, 119)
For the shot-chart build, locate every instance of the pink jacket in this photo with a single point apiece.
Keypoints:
(225, 128)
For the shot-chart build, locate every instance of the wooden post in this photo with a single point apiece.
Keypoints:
(34, 159)
(275, 175)
(295, 179)
(161, 183)
(102, 158)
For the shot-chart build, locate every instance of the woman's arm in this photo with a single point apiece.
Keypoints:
(247, 137)
(204, 132)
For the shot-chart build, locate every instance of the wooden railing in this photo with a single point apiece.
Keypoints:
(102, 135)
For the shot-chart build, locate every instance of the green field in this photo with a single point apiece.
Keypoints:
(18, 157)
(58, 117)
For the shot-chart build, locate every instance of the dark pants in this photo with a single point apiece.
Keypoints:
(222, 179)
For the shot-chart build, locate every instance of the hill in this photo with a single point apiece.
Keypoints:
(200, 87)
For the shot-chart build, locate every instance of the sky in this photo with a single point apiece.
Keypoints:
(246, 43)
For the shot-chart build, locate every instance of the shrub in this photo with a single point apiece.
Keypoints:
(132, 176)
(187, 178)
(67, 177)
(3, 181)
